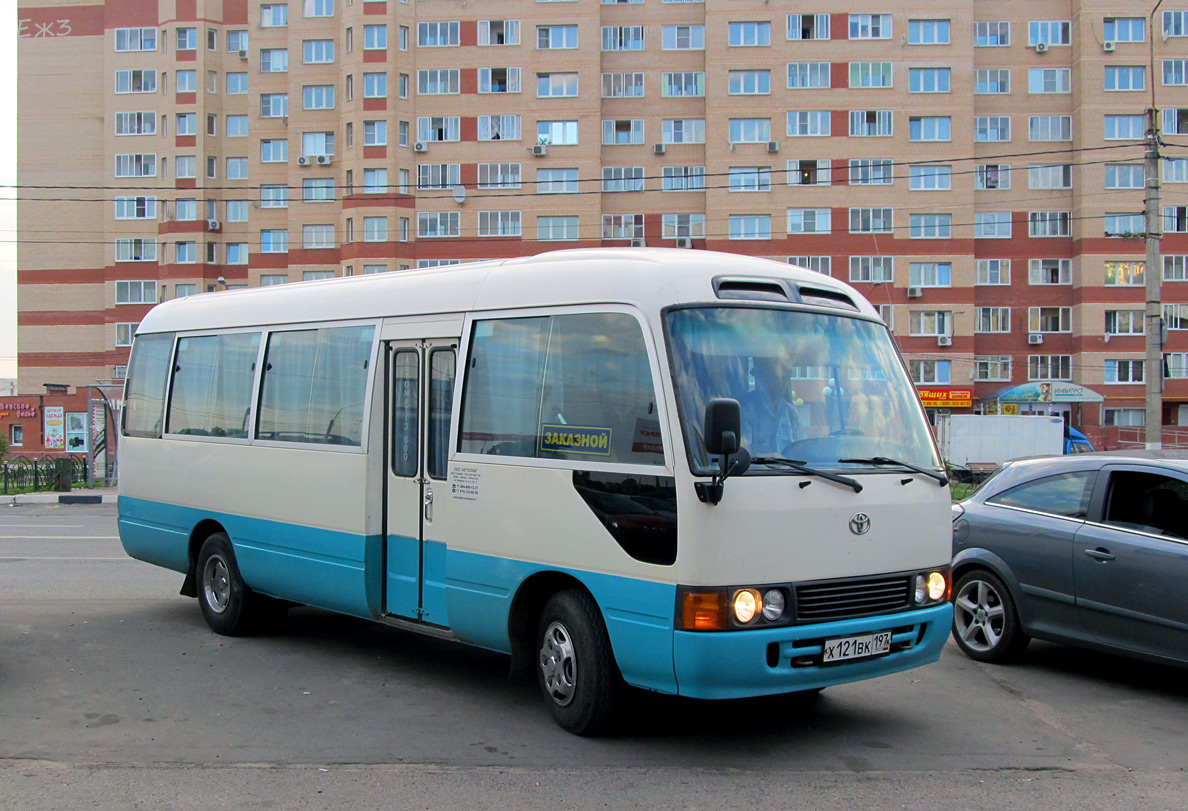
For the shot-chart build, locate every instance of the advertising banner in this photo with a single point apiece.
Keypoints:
(55, 428)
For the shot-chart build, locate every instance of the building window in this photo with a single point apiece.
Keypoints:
(1123, 322)
(929, 322)
(556, 228)
(556, 181)
(808, 75)
(870, 123)
(124, 333)
(621, 38)
(1119, 224)
(675, 226)
(375, 38)
(274, 15)
(1049, 32)
(688, 84)
(1050, 128)
(433, 82)
(871, 172)
(556, 37)
(992, 81)
(499, 175)
(136, 208)
(992, 225)
(750, 130)
(1050, 176)
(683, 178)
(750, 178)
(187, 39)
(439, 34)
(136, 292)
(992, 128)
(930, 178)
(808, 172)
(992, 319)
(819, 264)
(871, 220)
(1123, 371)
(274, 60)
(135, 39)
(622, 226)
(992, 176)
(872, 269)
(808, 26)
(683, 38)
(930, 274)
(1049, 319)
(1049, 271)
(555, 85)
(136, 250)
(749, 35)
(928, 80)
(438, 224)
(237, 253)
(929, 372)
(499, 224)
(274, 241)
(1176, 364)
(996, 34)
(810, 220)
(741, 82)
(135, 81)
(1049, 80)
(870, 74)
(1124, 29)
(375, 85)
(1049, 223)
(993, 272)
(1125, 274)
(931, 226)
(870, 26)
(1049, 367)
(929, 128)
(1125, 127)
(928, 32)
(682, 131)
(560, 133)
(992, 368)
(808, 123)
(750, 226)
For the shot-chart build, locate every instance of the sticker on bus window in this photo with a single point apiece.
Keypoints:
(576, 439)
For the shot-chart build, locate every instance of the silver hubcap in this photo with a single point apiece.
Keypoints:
(558, 663)
(980, 615)
(216, 584)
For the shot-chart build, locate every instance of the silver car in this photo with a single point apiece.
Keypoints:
(1088, 550)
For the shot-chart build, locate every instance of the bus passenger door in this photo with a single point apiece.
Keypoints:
(420, 378)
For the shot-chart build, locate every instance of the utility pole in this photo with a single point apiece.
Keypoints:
(1153, 367)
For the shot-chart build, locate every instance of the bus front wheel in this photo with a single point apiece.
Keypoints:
(576, 666)
(222, 595)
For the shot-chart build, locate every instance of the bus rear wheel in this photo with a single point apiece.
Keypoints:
(576, 666)
(227, 604)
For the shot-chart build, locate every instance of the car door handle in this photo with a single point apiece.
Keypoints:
(428, 505)
(1099, 554)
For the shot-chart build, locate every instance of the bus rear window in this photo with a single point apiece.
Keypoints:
(574, 387)
(144, 392)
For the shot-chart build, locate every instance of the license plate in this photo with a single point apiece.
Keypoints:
(857, 647)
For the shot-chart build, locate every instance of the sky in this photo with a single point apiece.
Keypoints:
(8, 75)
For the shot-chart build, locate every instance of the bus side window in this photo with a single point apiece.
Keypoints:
(144, 401)
(442, 368)
(406, 400)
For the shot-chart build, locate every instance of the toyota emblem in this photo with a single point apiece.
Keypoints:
(859, 523)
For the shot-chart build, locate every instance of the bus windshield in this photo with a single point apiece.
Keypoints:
(825, 390)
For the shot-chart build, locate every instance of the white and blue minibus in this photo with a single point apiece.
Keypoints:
(693, 473)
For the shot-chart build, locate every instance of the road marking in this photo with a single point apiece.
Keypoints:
(62, 538)
(34, 557)
(43, 526)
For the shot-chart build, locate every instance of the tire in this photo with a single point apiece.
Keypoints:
(985, 620)
(228, 605)
(576, 667)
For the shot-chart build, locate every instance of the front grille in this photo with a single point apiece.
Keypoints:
(847, 599)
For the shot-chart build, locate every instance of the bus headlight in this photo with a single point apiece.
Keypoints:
(773, 605)
(932, 587)
(747, 603)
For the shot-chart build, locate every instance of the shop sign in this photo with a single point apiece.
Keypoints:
(946, 397)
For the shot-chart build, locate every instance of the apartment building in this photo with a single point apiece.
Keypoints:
(975, 168)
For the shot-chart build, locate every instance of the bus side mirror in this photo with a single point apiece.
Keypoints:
(723, 425)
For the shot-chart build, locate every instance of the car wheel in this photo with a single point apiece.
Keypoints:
(576, 667)
(225, 601)
(985, 622)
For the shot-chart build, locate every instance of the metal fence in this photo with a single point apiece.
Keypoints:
(21, 474)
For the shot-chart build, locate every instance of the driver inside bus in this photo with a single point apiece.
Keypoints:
(769, 421)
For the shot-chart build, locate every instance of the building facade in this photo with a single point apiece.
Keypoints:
(975, 168)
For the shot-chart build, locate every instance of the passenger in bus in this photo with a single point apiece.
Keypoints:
(769, 421)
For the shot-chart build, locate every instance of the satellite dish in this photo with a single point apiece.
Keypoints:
(459, 194)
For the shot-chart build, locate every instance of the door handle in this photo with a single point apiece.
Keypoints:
(1099, 554)
(428, 505)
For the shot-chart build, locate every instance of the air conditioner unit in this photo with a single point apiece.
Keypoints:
(773, 146)
(539, 150)
(915, 292)
(638, 243)
(325, 160)
(1109, 47)
(659, 149)
(944, 340)
(303, 160)
(420, 146)
(243, 54)
(684, 242)
(213, 225)
(1041, 47)
(1035, 338)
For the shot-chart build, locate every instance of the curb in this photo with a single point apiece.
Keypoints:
(58, 498)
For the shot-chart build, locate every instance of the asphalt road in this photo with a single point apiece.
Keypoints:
(114, 694)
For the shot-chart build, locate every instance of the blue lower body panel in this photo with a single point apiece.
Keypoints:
(741, 664)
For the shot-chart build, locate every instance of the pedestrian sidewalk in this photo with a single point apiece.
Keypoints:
(96, 495)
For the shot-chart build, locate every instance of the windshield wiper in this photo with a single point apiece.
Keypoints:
(796, 464)
(941, 478)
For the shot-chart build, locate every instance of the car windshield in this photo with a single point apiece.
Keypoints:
(816, 388)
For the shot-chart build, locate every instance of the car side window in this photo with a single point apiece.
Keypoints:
(1066, 494)
(1149, 502)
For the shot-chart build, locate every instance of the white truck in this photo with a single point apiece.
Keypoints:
(978, 441)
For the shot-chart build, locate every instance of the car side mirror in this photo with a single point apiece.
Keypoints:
(721, 433)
